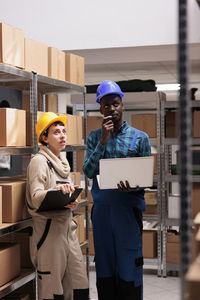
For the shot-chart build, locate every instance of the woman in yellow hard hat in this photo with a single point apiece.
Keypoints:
(55, 250)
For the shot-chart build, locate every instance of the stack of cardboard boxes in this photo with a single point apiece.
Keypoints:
(16, 131)
(34, 56)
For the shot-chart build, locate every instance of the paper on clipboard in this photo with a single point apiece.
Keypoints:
(137, 170)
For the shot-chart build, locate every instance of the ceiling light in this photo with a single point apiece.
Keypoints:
(168, 87)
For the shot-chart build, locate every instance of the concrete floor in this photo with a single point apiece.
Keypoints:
(155, 288)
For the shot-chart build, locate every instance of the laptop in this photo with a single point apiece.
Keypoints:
(137, 170)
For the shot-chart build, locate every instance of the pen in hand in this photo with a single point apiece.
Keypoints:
(73, 181)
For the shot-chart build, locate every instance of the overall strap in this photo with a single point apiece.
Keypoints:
(133, 143)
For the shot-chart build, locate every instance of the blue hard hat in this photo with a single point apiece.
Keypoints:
(108, 87)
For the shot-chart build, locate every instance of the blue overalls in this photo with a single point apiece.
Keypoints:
(117, 231)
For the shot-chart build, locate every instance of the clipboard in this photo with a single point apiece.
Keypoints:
(137, 170)
(55, 199)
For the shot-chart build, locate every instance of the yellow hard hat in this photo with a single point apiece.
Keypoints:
(46, 120)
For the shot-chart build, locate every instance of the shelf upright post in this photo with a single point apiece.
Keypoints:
(163, 191)
(86, 179)
(185, 140)
(33, 109)
(159, 194)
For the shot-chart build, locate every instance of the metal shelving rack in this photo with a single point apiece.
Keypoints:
(139, 104)
(167, 178)
(12, 77)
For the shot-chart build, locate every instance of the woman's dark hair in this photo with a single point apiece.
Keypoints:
(46, 132)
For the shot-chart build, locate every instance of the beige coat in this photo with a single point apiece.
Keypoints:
(55, 250)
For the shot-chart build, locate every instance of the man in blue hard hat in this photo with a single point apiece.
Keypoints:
(117, 213)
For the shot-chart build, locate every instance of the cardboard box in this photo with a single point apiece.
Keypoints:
(71, 130)
(13, 199)
(74, 130)
(174, 207)
(91, 243)
(80, 156)
(93, 123)
(56, 63)
(155, 163)
(81, 228)
(36, 57)
(193, 280)
(146, 123)
(171, 124)
(74, 69)
(10, 262)
(11, 45)
(172, 248)
(151, 210)
(79, 130)
(23, 239)
(29, 127)
(196, 123)
(52, 103)
(1, 208)
(195, 198)
(149, 243)
(13, 127)
(150, 197)
(80, 231)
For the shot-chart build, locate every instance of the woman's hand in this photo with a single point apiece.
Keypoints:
(66, 188)
(126, 187)
(72, 205)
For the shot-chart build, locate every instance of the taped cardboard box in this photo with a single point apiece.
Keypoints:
(75, 69)
(11, 45)
(56, 63)
(13, 127)
(36, 57)
(13, 200)
(10, 262)
(145, 123)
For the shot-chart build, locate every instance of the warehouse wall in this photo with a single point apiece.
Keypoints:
(99, 24)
